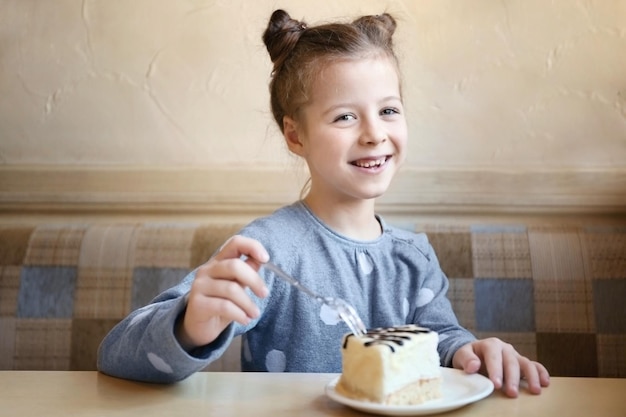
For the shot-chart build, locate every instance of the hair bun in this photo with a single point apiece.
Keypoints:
(381, 26)
(281, 36)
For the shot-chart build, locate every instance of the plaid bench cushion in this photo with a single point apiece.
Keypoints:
(556, 292)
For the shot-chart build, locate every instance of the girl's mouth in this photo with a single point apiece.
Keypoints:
(371, 163)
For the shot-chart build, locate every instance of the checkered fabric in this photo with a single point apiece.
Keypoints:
(557, 293)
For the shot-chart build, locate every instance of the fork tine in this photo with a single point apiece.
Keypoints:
(349, 320)
(356, 319)
(357, 329)
(360, 325)
(348, 314)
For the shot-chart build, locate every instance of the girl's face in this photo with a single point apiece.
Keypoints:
(353, 132)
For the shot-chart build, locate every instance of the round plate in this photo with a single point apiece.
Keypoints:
(458, 389)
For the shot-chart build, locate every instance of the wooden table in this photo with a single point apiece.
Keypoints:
(51, 394)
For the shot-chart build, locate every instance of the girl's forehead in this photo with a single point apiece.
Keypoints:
(352, 84)
(348, 82)
(349, 72)
(337, 70)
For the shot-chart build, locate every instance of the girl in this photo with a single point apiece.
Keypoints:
(336, 96)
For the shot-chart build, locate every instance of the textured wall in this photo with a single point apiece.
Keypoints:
(488, 83)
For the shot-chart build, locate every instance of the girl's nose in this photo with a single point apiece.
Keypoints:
(372, 133)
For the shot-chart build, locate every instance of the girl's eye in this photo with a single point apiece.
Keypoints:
(345, 118)
(389, 111)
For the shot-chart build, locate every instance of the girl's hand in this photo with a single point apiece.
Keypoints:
(502, 364)
(218, 292)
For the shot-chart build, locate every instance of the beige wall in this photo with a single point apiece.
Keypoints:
(144, 103)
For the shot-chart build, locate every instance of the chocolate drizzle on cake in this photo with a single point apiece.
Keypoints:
(389, 336)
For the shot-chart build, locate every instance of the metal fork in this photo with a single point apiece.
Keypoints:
(345, 311)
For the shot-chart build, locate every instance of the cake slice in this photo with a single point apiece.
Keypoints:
(395, 366)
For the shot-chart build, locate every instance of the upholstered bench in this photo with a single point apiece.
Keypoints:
(556, 292)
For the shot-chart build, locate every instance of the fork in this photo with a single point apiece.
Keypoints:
(345, 311)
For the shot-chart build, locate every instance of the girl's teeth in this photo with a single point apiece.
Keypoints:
(370, 164)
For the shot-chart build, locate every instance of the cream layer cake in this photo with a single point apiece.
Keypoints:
(396, 366)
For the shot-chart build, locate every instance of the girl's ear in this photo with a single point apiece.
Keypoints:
(292, 137)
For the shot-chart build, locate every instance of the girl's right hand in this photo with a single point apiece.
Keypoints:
(218, 292)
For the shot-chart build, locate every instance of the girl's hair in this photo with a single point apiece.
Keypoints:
(299, 52)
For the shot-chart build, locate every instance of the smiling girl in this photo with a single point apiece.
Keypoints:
(336, 96)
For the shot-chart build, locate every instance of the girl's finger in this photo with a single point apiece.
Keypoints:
(233, 270)
(238, 246)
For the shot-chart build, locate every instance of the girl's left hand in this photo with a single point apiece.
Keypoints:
(504, 366)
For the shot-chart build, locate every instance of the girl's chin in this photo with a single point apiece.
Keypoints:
(373, 193)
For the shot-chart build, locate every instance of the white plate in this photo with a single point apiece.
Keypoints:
(458, 389)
